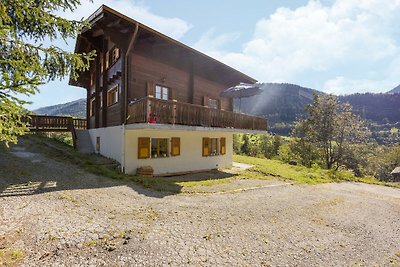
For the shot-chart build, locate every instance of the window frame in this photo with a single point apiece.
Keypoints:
(212, 102)
(208, 143)
(162, 92)
(109, 92)
(158, 154)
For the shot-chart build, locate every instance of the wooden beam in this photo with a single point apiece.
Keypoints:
(97, 92)
(191, 83)
(104, 91)
(126, 71)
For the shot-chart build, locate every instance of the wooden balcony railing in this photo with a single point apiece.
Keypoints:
(173, 112)
(42, 123)
(53, 123)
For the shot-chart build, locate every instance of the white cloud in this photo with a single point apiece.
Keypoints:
(343, 86)
(318, 38)
(174, 27)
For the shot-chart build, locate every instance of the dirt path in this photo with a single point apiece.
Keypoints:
(53, 214)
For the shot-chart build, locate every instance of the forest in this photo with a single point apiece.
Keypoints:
(331, 136)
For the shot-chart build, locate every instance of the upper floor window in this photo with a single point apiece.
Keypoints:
(213, 103)
(162, 92)
(112, 56)
(112, 96)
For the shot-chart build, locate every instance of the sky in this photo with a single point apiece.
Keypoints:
(336, 46)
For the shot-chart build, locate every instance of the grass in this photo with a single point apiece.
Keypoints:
(275, 168)
(10, 257)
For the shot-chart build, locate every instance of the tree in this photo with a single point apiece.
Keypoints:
(25, 62)
(331, 127)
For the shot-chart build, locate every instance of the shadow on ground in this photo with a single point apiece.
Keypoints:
(38, 165)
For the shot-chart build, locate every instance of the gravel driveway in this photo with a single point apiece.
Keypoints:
(54, 214)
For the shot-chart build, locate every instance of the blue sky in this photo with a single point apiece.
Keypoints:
(336, 46)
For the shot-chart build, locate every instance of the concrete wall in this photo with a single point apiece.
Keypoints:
(110, 141)
(190, 158)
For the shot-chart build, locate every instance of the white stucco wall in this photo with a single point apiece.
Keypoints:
(190, 158)
(110, 141)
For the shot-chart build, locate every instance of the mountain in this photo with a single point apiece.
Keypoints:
(75, 108)
(283, 103)
(394, 90)
(378, 108)
(279, 102)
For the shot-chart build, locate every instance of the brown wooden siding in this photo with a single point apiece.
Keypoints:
(144, 70)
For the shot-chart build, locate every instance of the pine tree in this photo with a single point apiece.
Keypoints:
(25, 62)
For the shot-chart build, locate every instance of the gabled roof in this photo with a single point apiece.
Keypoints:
(104, 11)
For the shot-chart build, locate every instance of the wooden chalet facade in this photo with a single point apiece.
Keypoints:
(144, 86)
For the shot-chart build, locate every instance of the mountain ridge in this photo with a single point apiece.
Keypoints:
(76, 108)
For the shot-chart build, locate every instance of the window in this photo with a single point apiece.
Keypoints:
(144, 147)
(213, 146)
(159, 147)
(213, 103)
(112, 96)
(114, 55)
(175, 146)
(162, 92)
(92, 109)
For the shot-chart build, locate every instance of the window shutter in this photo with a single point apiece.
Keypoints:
(219, 104)
(150, 89)
(176, 146)
(223, 146)
(144, 147)
(206, 146)
(205, 101)
(170, 94)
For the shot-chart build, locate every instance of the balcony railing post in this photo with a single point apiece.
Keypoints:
(148, 109)
(174, 111)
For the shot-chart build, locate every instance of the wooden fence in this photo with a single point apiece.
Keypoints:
(43, 123)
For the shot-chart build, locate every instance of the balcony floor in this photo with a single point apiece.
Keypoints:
(177, 127)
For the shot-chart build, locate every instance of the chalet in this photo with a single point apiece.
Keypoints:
(153, 101)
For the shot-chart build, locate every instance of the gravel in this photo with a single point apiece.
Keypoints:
(59, 215)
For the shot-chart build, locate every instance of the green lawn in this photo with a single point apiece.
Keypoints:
(275, 168)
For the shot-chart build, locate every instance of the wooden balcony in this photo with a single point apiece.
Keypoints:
(173, 112)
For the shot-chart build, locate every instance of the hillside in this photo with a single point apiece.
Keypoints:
(378, 108)
(279, 102)
(395, 90)
(75, 108)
